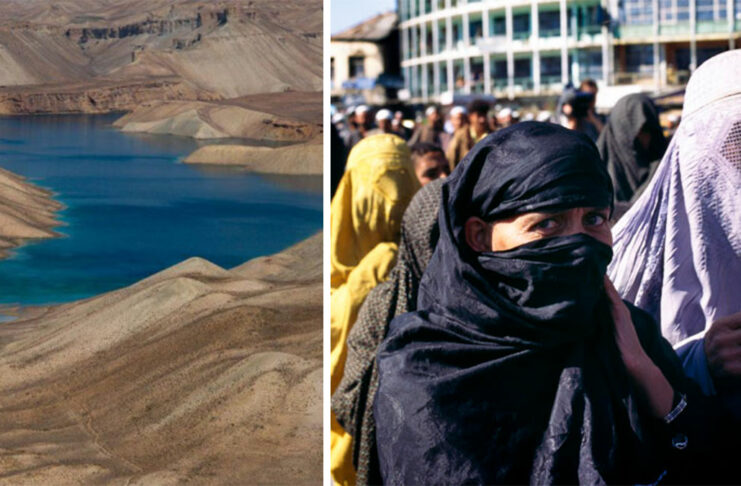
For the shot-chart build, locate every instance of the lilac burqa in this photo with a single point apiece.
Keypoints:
(678, 249)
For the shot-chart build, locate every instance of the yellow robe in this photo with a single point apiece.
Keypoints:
(366, 211)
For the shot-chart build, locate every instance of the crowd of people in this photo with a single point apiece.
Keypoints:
(539, 301)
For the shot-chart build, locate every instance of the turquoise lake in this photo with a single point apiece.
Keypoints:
(133, 209)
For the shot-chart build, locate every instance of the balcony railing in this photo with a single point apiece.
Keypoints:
(633, 78)
(550, 33)
(477, 87)
(550, 79)
(496, 41)
(590, 30)
(712, 27)
(633, 31)
(675, 29)
(499, 84)
(525, 84)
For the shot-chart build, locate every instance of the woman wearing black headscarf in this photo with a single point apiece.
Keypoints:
(631, 144)
(521, 363)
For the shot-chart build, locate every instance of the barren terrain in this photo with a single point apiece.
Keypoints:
(247, 69)
(196, 374)
(223, 49)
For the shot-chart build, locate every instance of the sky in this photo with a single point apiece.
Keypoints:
(346, 13)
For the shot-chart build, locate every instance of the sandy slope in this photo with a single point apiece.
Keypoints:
(284, 117)
(216, 120)
(26, 212)
(195, 374)
(302, 159)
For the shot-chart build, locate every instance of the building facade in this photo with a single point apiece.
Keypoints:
(364, 61)
(512, 48)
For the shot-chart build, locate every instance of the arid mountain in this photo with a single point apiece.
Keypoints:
(197, 374)
(84, 50)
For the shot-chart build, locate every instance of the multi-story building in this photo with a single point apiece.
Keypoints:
(533, 47)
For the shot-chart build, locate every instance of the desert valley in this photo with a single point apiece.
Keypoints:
(188, 132)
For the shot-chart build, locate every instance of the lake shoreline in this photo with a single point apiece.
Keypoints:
(264, 119)
(131, 208)
(28, 213)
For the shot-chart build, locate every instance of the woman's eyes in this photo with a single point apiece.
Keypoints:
(546, 224)
(594, 219)
(551, 224)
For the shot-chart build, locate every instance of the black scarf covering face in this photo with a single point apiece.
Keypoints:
(508, 371)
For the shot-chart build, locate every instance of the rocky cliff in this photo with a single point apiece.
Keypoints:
(99, 98)
(205, 50)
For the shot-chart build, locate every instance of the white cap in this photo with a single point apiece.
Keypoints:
(457, 110)
(384, 114)
(505, 112)
(361, 109)
(528, 117)
(515, 114)
(544, 116)
(430, 110)
(338, 117)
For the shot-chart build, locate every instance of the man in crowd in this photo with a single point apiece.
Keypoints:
(457, 118)
(383, 122)
(397, 126)
(466, 137)
(504, 117)
(432, 132)
(358, 126)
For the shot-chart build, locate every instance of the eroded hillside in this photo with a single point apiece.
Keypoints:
(197, 374)
(101, 55)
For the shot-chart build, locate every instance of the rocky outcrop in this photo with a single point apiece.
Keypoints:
(27, 212)
(153, 26)
(195, 375)
(303, 159)
(97, 99)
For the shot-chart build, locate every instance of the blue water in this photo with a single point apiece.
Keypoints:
(132, 209)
